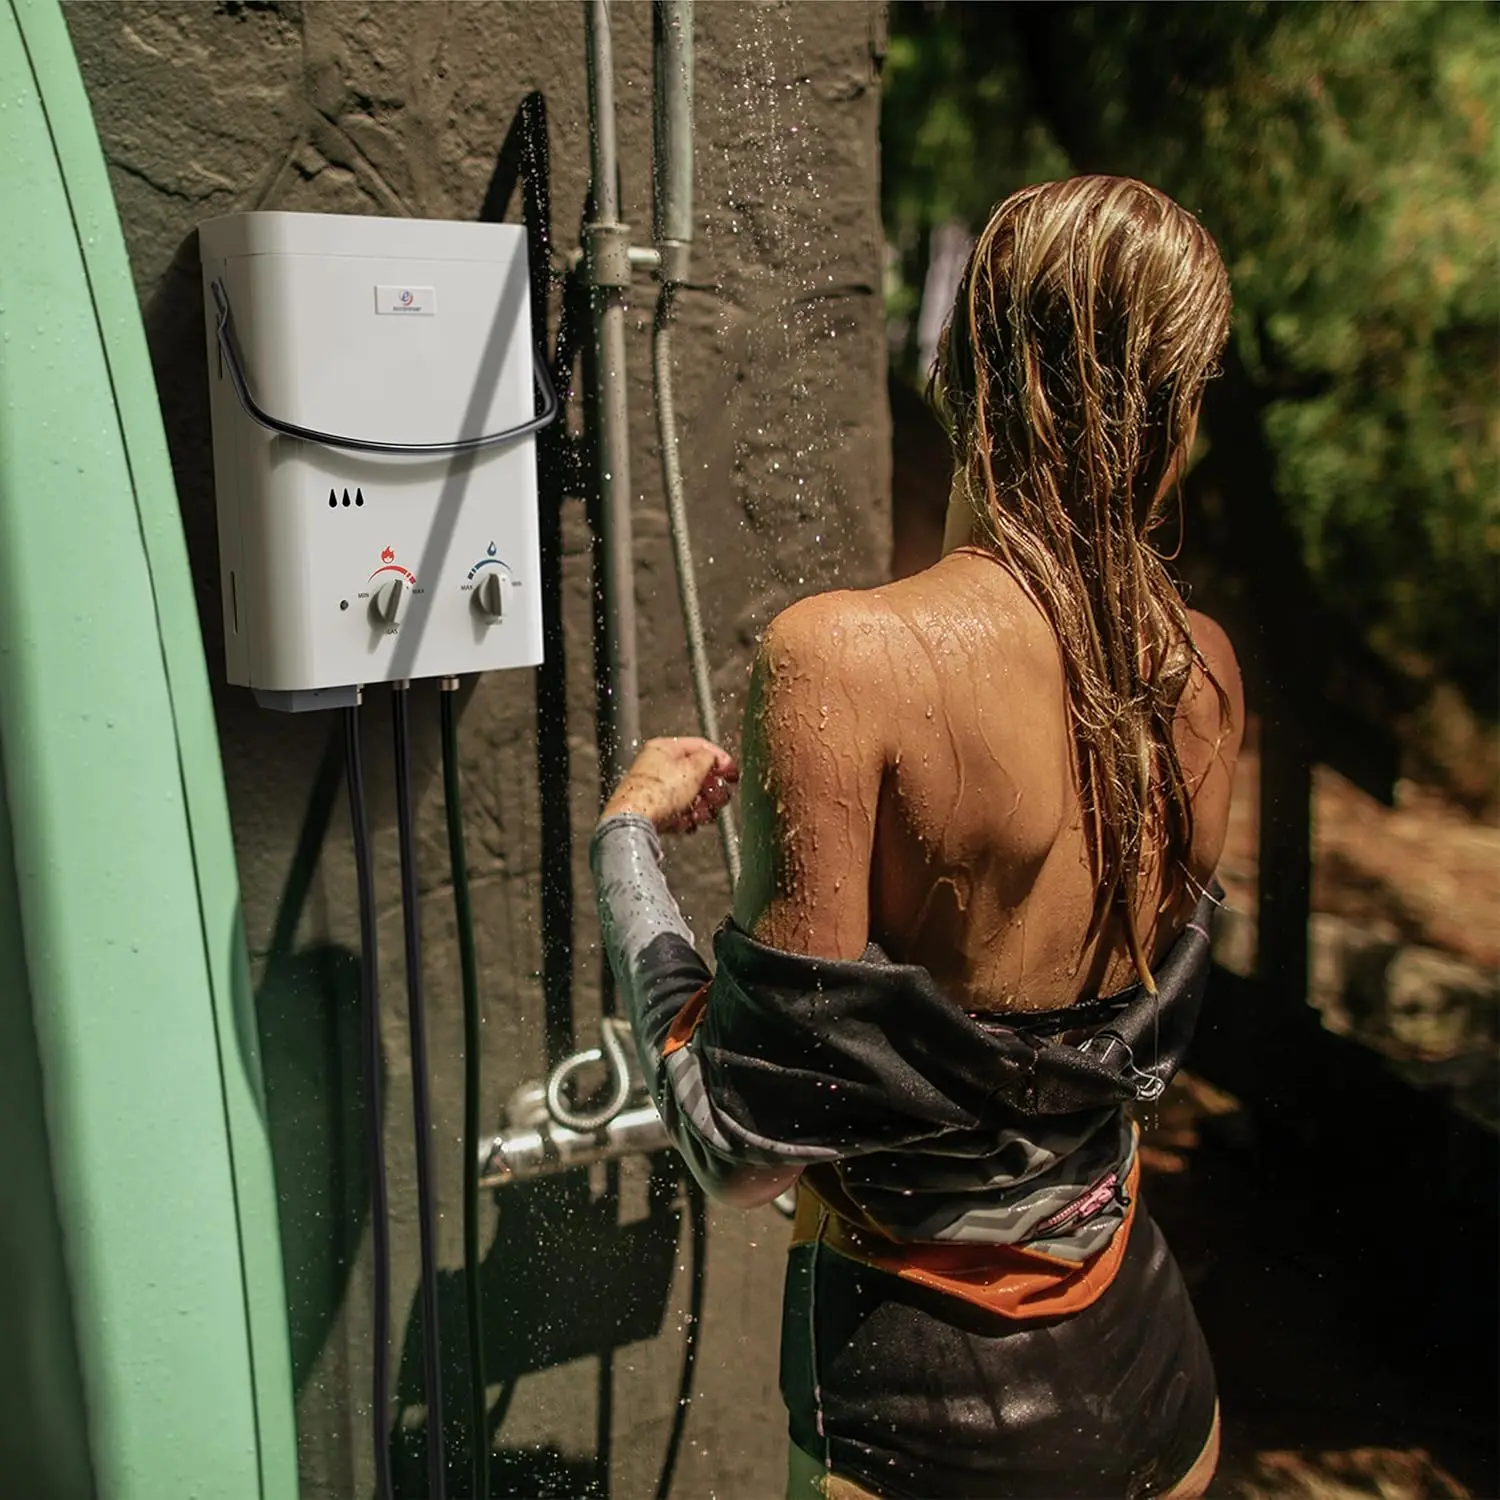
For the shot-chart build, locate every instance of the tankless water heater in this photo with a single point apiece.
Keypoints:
(374, 398)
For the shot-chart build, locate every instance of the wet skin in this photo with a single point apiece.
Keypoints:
(908, 778)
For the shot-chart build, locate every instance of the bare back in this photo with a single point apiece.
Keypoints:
(911, 780)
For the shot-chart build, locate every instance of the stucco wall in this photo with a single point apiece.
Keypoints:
(400, 108)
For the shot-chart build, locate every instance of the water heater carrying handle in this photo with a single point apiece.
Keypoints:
(230, 356)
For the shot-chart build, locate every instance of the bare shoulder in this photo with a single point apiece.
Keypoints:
(1224, 717)
(822, 684)
(814, 751)
(826, 635)
(1210, 726)
(1214, 646)
(839, 610)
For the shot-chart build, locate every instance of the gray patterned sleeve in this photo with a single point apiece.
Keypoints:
(658, 971)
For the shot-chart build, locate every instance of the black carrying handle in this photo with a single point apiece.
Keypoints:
(230, 355)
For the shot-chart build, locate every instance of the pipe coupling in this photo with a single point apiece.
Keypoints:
(607, 255)
(673, 267)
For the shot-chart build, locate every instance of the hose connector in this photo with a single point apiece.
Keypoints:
(672, 268)
(521, 1153)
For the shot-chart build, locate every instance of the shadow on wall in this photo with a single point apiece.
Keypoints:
(308, 1006)
(564, 1280)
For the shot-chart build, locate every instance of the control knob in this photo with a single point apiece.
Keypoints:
(388, 602)
(492, 595)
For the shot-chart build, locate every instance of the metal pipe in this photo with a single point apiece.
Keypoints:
(641, 258)
(672, 225)
(607, 243)
(672, 135)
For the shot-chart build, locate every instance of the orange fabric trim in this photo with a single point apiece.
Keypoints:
(680, 1033)
(1003, 1279)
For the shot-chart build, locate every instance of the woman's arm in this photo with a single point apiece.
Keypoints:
(814, 744)
(661, 978)
(817, 726)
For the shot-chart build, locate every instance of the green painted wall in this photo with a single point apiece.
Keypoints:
(153, 1332)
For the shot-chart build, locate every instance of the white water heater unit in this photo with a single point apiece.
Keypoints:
(374, 395)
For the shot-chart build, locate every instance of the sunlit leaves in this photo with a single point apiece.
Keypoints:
(1345, 157)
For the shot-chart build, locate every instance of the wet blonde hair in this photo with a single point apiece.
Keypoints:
(1091, 315)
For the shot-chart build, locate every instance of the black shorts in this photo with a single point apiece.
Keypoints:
(918, 1396)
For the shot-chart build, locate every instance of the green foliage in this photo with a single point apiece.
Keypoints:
(1344, 156)
(958, 134)
(957, 129)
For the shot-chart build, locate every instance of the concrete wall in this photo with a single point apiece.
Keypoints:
(400, 108)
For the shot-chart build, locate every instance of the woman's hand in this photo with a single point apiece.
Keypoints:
(680, 784)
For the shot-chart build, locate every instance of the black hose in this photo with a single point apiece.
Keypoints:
(421, 1105)
(369, 986)
(698, 1216)
(479, 1446)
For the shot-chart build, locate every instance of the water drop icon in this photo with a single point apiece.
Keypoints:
(490, 550)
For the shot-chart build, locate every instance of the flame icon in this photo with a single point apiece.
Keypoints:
(388, 555)
(490, 549)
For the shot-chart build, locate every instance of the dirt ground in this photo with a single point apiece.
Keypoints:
(1422, 866)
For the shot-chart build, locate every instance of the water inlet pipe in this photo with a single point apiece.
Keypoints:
(463, 914)
(432, 1360)
(672, 228)
(607, 253)
(546, 1132)
(370, 1064)
(672, 136)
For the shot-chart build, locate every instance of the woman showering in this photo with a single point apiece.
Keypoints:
(983, 807)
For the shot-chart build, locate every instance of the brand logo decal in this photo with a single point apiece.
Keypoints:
(400, 301)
